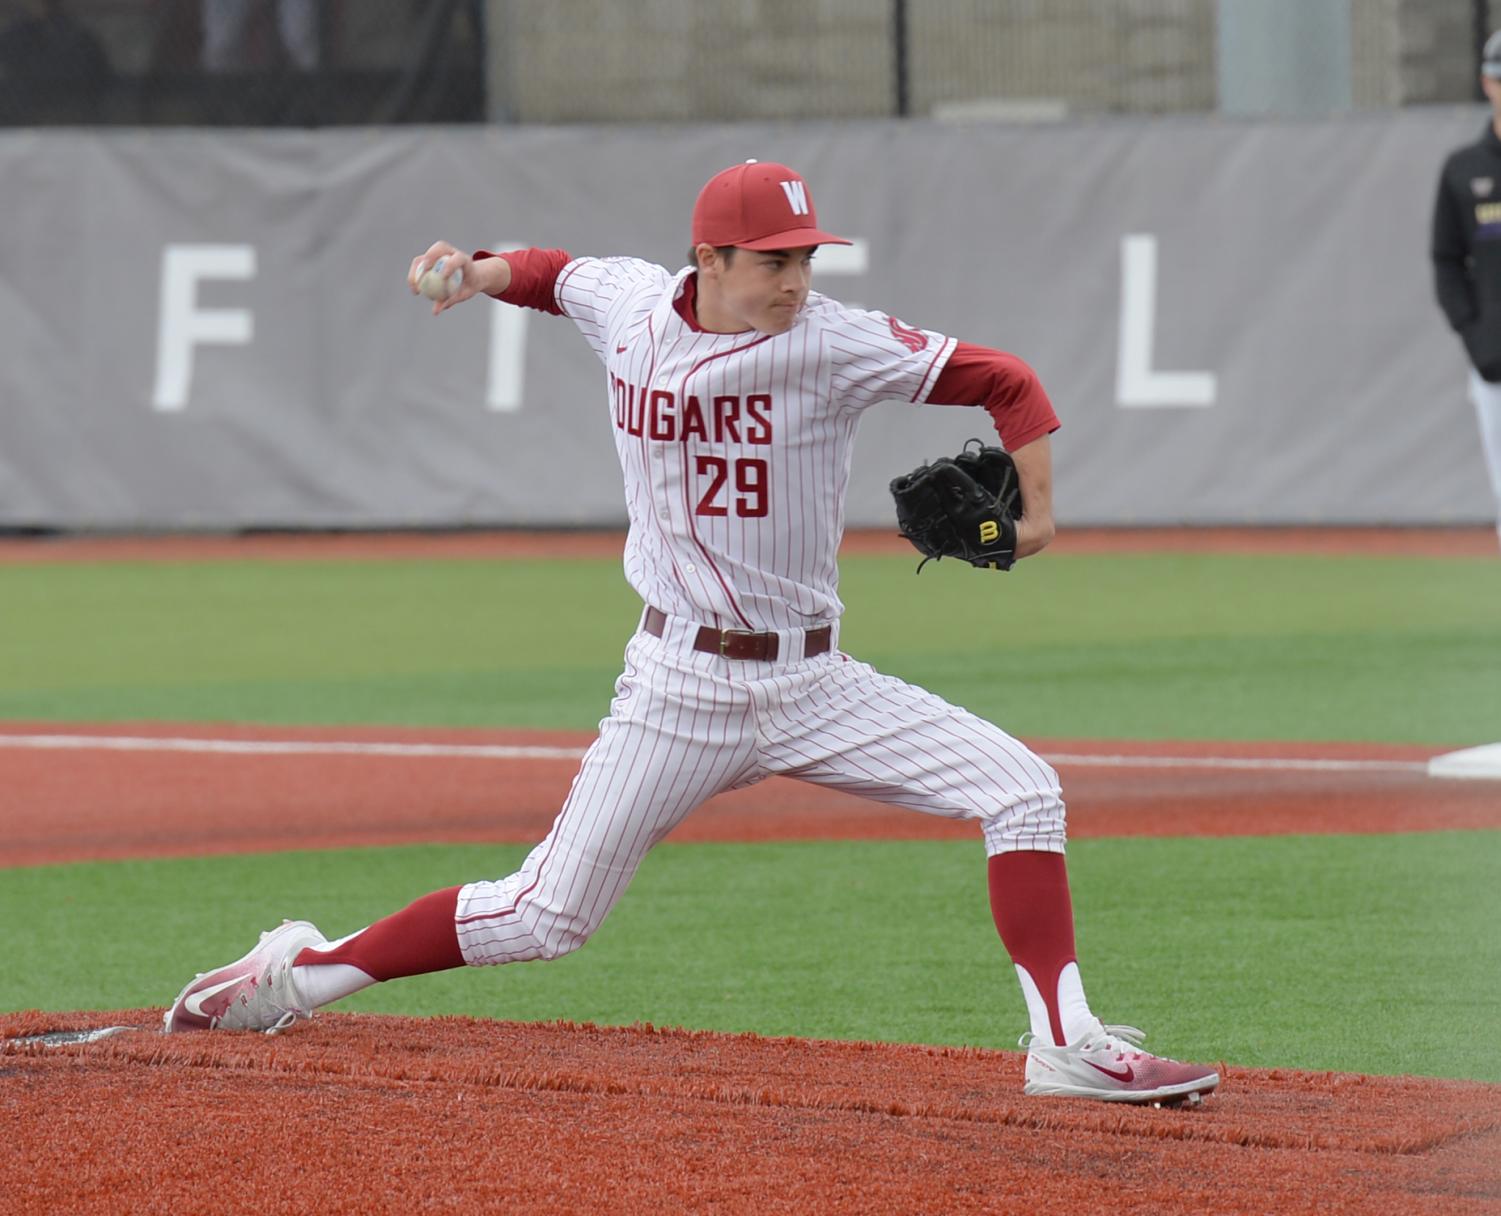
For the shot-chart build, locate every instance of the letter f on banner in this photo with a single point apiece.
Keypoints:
(183, 325)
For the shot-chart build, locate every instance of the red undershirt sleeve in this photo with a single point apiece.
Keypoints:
(1008, 389)
(534, 277)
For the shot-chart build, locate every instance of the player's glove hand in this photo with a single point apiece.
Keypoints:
(964, 506)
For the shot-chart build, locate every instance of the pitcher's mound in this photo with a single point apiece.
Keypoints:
(362, 1113)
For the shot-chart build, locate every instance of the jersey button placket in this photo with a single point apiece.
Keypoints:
(656, 463)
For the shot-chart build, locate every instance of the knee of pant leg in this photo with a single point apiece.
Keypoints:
(556, 945)
(556, 928)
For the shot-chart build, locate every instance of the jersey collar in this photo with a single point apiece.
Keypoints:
(685, 301)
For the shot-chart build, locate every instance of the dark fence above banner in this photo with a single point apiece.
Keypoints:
(319, 63)
(241, 62)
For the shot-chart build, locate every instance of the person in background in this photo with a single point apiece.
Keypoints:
(1466, 249)
(226, 23)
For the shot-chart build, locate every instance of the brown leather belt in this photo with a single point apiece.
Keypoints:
(739, 643)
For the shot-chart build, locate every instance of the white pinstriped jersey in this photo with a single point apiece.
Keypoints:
(736, 452)
(736, 448)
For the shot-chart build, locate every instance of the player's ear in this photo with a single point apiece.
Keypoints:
(713, 258)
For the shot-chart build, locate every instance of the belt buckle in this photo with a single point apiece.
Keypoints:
(724, 639)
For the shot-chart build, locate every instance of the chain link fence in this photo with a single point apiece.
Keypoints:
(331, 62)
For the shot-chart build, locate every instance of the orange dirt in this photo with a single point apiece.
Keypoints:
(75, 804)
(364, 1114)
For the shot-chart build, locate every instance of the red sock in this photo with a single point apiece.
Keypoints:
(418, 939)
(1035, 918)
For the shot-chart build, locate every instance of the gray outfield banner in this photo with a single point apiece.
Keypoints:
(211, 330)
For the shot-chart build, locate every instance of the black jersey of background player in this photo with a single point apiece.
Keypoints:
(1467, 249)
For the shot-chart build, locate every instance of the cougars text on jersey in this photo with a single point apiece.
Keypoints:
(656, 415)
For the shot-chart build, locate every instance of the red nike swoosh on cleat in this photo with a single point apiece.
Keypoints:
(1126, 1074)
(214, 1001)
(620, 350)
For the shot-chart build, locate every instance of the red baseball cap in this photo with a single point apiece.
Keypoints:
(758, 205)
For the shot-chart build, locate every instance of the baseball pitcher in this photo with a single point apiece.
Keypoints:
(733, 392)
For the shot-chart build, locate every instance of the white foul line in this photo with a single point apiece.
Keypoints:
(500, 751)
(1272, 763)
(287, 747)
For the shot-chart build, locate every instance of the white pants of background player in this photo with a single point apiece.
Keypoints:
(685, 726)
(1487, 399)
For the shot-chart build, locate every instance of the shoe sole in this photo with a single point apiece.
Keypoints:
(1169, 1095)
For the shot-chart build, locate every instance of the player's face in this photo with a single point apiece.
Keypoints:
(763, 290)
(1492, 90)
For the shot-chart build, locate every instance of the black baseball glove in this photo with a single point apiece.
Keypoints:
(963, 506)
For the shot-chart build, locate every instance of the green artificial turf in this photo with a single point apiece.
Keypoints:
(1373, 954)
(1132, 646)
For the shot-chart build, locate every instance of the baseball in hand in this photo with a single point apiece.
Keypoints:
(435, 285)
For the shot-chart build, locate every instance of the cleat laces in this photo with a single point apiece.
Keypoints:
(1123, 1040)
(1129, 1039)
(283, 1022)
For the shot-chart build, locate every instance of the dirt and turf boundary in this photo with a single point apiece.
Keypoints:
(363, 1113)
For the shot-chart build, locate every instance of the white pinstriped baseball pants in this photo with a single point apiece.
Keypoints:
(685, 726)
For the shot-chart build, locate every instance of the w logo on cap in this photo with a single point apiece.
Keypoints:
(797, 196)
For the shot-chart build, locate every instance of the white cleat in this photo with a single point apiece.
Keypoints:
(252, 993)
(1106, 1063)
